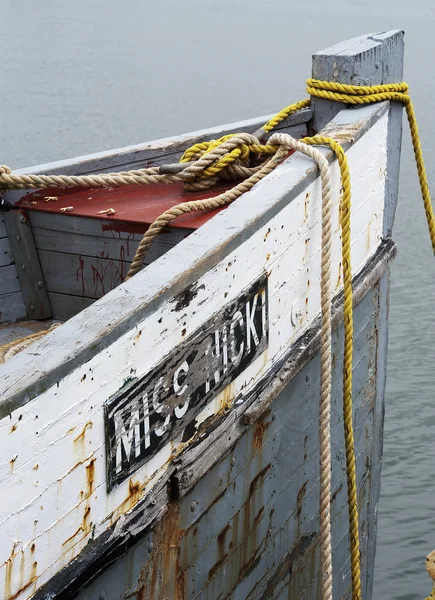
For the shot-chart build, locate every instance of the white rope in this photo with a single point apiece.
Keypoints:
(282, 140)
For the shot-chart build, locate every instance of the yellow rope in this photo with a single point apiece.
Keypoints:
(432, 594)
(347, 358)
(397, 92)
(231, 157)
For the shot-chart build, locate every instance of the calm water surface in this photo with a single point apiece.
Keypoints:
(88, 75)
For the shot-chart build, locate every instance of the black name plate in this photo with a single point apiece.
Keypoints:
(148, 412)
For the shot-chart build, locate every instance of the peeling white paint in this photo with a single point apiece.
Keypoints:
(53, 465)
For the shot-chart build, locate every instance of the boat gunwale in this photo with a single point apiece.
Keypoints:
(98, 326)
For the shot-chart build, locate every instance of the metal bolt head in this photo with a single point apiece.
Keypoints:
(39, 284)
(23, 267)
(150, 547)
(23, 219)
(17, 237)
(32, 307)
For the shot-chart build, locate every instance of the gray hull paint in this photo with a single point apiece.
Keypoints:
(249, 528)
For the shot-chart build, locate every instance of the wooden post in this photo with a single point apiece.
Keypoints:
(28, 267)
(370, 59)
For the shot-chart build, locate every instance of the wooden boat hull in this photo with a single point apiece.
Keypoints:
(163, 442)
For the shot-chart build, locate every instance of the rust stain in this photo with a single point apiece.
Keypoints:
(226, 399)
(340, 275)
(8, 577)
(302, 548)
(267, 234)
(12, 463)
(260, 428)
(13, 428)
(86, 525)
(90, 477)
(247, 548)
(307, 195)
(137, 336)
(36, 467)
(162, 576)
(23, 585)
(71, 537)
(135, 489)
(222, 554)
(80, 439)
(267, 256)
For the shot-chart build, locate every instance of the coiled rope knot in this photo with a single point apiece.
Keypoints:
(231, 157)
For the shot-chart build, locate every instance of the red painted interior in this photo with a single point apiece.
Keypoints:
(136, 205)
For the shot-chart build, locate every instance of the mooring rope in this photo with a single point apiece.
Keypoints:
(244, 156)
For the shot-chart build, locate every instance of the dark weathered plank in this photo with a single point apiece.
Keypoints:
(28, 267)
(76, 275)
(9, 282)
(110, 246)
(6, 257)
(64, 306)
(3, 232)
(95, 227)
(12, 307)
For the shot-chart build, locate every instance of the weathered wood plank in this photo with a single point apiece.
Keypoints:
(88, 335)
(6, 257)
(95, 227)
(64, 306)
(114, 245)
(79, 275)
(9, 282)
(29, 270)
(3, 232)
(367, 60)
(12, 307)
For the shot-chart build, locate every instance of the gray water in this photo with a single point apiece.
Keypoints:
(83, 76)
